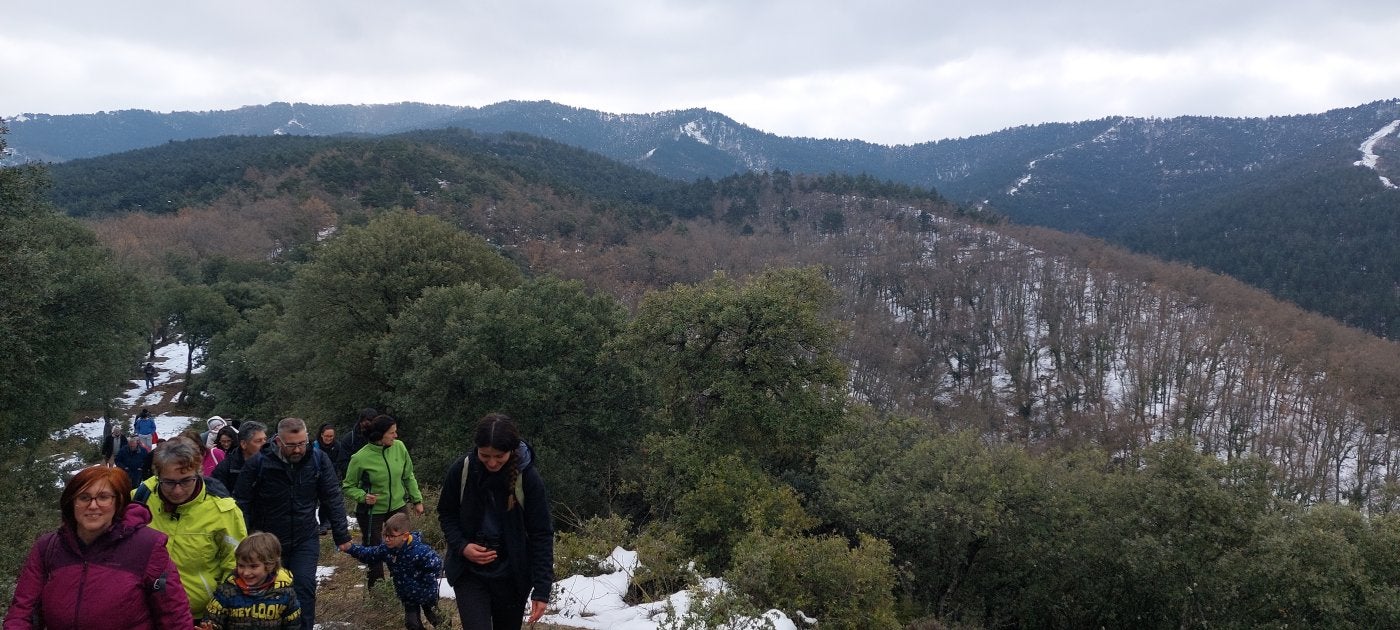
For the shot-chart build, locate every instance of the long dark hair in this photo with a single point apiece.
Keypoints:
(498, 431)
(232, 433)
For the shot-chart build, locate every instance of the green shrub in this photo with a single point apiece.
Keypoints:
(582, 552)
(731, 499)
(714, 608)
(821, 576)
(30, 508)
(666, 564)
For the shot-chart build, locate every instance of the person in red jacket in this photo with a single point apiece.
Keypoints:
(103, 568)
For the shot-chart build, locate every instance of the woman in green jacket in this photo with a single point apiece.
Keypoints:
(380, 478)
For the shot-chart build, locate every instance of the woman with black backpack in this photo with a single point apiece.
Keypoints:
(494, 513)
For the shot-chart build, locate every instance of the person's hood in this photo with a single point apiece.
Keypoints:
(211, 438)
(136, 515)
(124, 525)
(417, 538)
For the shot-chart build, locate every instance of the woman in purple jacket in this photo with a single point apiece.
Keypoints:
(102, 568)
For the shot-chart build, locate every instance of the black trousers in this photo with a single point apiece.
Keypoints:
(413, 610)
(489, 603)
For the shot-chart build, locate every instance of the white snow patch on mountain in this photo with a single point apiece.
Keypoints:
(282, 131)
(1102, 138)
(1025, 179)
(695, 130)
(1369, 159)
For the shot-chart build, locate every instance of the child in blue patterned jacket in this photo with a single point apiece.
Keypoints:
(414, 566)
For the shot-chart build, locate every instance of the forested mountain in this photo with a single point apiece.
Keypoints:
(848, 396)
(1053, 338)
(1224, 193)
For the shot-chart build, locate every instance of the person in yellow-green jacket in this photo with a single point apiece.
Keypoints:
(203, 523)
(380, 479)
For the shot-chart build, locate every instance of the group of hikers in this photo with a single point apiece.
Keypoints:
(221, 529)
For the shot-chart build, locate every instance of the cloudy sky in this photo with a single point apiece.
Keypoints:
(889, 71)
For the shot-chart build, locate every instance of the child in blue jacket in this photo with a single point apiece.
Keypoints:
(414, 566)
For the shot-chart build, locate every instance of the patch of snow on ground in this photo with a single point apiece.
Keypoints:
(170, 363)
(168, 426)
(91, 431)
(597, 602)
(324, 573)
(64, 466)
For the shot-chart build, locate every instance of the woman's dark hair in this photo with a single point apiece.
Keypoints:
(231, 432)
(498, 431)
(322, 430)
(367, 416)
(379, 427)
(114, 477)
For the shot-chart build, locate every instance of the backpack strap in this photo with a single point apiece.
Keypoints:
(154, 590)
(46, 558)
(141, 494)
(36, 616)
(462, 494)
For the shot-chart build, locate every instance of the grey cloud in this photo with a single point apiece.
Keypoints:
(884, 70)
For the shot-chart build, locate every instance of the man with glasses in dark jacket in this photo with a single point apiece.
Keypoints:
(280, 491)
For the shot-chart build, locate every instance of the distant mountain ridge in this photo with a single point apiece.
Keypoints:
(1018, 170)
(1206, 190)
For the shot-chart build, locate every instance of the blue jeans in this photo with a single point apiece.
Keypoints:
(300, 558)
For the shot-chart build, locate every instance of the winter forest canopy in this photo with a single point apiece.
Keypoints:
(848, 397)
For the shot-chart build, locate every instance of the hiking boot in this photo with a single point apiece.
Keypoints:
(412, 621)
(432, 615)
